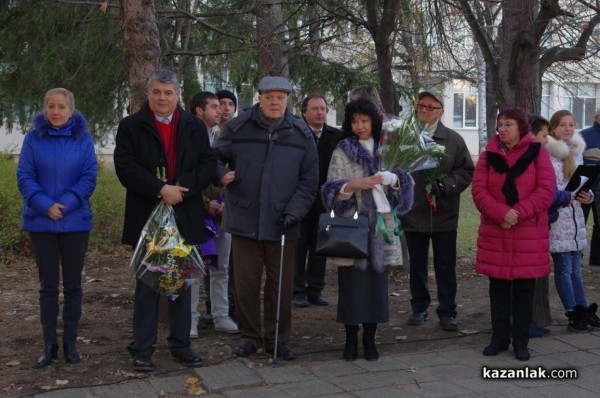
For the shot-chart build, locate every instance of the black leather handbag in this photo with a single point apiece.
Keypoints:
(339, 236)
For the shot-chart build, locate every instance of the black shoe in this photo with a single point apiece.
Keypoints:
(418, 318)
(317, 300)
(300, 301)
(522, 353)
(49, 354)
(142, 364)
(283, 351)
(244, 349)
(187, 358)
(592, 318)
(494, 348)
(71, 355)
(449, 324)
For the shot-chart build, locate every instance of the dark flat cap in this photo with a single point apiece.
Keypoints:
(274, 83)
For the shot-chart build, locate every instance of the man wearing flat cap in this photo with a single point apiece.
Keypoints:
(271, 181)
(423, 223)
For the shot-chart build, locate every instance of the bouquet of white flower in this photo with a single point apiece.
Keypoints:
(404, 144)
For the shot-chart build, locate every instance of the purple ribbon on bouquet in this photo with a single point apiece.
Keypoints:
(208, 249)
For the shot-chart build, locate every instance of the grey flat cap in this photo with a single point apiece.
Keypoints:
(274, 83)
(436, 95)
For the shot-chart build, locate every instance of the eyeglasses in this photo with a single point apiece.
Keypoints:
(506, 126)
(429, 108)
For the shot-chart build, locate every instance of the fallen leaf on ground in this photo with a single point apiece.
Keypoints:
(61, 382)
(192, 380)
(13, 363)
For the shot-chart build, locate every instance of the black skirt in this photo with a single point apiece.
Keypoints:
(362, 296)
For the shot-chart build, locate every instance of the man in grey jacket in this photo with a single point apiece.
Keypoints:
(439, 224)
(271, 182)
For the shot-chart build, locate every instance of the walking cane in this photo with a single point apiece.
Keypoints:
(275, 364)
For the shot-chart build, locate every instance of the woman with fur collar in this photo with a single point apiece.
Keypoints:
(353, 181)
(568, 235)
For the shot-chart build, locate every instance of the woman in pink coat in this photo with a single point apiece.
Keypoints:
(513, 186)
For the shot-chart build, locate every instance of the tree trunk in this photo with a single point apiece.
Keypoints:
(382, 30)
(271, 50)
(141, 47)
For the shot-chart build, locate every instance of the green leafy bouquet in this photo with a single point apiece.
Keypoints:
(405, 145)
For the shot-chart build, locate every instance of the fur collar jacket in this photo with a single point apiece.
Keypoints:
(560, 149)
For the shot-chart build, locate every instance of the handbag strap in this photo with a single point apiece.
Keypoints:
(332, 213)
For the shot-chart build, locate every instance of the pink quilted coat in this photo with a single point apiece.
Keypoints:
(522, 251)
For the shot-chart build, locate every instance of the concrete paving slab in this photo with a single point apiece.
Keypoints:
(172, 384)
(229, 375)
(332, 369)
(67, 393)
(283, 374)
(437, 389)
(584, 341)
(576, 358)
(311, 388)
(262, 392)
(547, 345)
(130, 389)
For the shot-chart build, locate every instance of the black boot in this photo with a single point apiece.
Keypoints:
(578, 320)
(592, 318)
(521, 353)
(50, 351)
(351, 347)
(71, 355)
(368, 340)
(495, 347)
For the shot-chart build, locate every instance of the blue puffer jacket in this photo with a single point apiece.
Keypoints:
(57, 166)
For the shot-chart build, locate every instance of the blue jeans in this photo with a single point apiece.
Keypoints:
(567, 278)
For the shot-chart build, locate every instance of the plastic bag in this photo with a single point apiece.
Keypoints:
(162, 259)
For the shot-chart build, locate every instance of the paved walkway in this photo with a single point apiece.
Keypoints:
(451, 372)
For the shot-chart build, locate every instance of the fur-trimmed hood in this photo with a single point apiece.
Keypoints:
(560, 149)
(76, 127)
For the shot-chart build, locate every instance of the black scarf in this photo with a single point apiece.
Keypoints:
(498, 163)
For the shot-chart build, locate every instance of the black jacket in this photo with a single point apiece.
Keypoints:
(139, 152)
(330, 136)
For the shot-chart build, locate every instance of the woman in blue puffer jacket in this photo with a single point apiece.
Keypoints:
(56, 176)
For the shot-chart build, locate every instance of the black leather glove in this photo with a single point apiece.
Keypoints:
(286, 222)
(438, 189)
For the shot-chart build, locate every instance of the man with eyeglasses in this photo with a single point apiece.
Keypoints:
(271, 180)
(425, 223)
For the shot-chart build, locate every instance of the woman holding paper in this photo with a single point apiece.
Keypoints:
(568, 235)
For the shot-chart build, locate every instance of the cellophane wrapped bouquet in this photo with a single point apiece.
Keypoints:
(404, 144)
(162, 259)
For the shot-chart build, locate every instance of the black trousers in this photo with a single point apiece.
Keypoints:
(309, 274)
(145, 321)
(444, 264)
(595, 240)
(511, 299)
(68, 250)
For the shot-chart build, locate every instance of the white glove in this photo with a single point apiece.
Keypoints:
(389, 178)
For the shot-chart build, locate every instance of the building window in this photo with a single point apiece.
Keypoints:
(465, 111)
(545, 106)
(580, 99)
